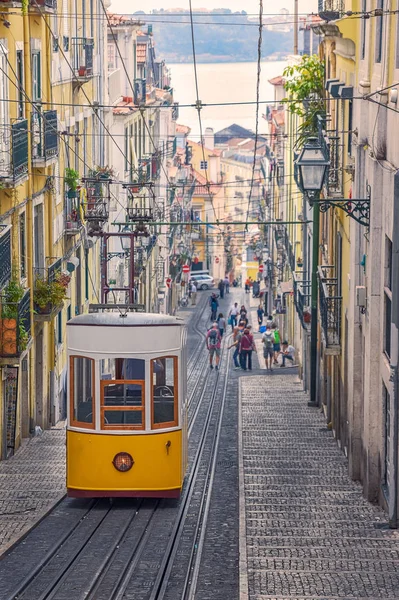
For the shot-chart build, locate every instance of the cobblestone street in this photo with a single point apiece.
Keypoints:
(309, 533)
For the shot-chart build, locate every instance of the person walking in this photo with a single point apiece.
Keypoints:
(237, 333)
(276, 343)
(213, 342)
(214, 304)
(221, 288)
(233, 314)
(243, 315)
(246, 347)
(268, 347)
(221, 321)
(270, 322)
(193, 294)
(226, 285)
(247, 285)
(260, 312)
(288, 353)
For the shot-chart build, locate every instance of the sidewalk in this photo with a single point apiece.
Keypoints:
(306, 532)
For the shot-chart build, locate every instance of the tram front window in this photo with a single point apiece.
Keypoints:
(82, 391)
(164, 392)
(122, 393)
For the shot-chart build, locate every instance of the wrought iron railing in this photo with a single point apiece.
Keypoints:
(302, 298)
(73, 220)
(330, 306)
(15, 331)
(44, 134)
(330, 10)
(82, 52)
(5, 255)
(46, 3)
(19, 148)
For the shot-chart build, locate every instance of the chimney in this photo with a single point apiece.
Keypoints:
(209, 138)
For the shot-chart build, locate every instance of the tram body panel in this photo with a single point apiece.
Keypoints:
(127, 394)
(157, 460)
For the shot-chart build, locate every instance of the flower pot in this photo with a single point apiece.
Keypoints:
(307, 317)
(299, 265)
(8, 337)
(72, 194)
(82, 71)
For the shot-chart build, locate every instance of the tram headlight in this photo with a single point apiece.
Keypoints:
(123, 462)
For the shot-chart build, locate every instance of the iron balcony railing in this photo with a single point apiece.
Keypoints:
(284, 246)
(331, 10)
(82, 53)
(302, 299)
(51, 4)
(15, 330)
(332, 146)
(44, 135)
(73, 216)
(14, 152)
(5, 255)
(330, 304)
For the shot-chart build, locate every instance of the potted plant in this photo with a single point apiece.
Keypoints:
(82, 71)
(299, 262)
(50, 294)
(71, 180)
(12, 295)
(105, 172)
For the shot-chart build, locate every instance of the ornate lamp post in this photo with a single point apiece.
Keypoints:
(311, 168)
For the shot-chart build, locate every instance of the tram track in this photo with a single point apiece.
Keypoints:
(122, 541)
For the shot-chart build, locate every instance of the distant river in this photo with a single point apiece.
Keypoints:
(223, 82)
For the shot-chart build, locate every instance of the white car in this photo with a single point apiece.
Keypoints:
(203, 282)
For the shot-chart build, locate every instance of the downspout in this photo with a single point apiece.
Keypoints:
(394, 483)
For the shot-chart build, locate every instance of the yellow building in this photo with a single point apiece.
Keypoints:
(48, 270)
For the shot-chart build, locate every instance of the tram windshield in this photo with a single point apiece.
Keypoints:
(164, 391)
(122, 393)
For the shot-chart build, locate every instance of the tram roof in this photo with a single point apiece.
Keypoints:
(131, 319)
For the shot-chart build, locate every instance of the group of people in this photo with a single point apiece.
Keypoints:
(243, 339)
(224, 286)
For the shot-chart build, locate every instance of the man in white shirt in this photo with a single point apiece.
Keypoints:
(234, 311)
(288, 352)
(193, 293)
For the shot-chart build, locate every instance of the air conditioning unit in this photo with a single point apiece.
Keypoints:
(361, 296)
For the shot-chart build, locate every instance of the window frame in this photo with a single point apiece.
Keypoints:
(175, 422)
(105, 383)
(76, 423)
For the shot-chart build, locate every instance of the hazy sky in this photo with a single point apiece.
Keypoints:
(250, 6)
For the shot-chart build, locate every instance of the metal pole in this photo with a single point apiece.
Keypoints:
(314, 325)
(305, 277)
(296, 27)
(131, 270)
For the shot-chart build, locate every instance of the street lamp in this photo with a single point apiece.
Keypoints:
(311, 168)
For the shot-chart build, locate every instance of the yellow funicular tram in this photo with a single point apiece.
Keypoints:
(127, 402)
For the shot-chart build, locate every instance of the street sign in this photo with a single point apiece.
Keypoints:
(168, 281)
(261, 267)
(186, 269)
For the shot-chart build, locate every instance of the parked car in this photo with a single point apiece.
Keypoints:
(203, 282)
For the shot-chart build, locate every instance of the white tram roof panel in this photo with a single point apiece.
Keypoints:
(131, 319)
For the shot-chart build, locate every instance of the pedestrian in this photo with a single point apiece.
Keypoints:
(288, 353)
(255, 289)
(268, 347)
(214, 304)
(260, 312)
(270, 322)
(246, 347)
(233, 314)
(213, 341)
(221, 288)
(235, 283)
(193, 294)
(226, 285)
(247, 285)
(276, 343)
(237, 333)
(243, 315)
(189, 288)
(221, 321)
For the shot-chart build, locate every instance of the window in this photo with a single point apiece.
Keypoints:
(22, 243)
(363, 31)
(350, 125)
(388, 263)
(122, 393)
(82, 391)
(59, 328)
(379, 26)
(112, 57)
(20, 82)
(204, 165)
(36, 76)
(164, 382)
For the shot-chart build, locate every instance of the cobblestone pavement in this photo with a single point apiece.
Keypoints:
(306, 531)
(31, 483)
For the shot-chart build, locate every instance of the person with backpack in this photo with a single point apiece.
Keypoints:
(213, 343)
(268, 347)
(214, 304)
(221, 321)
(260, 312)
(276, 343)
(246, 347)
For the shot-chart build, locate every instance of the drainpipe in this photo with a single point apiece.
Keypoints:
(394, 483)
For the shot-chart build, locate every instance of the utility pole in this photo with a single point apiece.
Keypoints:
(295, 27)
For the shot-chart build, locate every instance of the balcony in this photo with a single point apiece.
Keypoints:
(15, 330)
(330, 309)
(284, 246)
(302, 299)
(44, 5)
(50, 291)
(14, 154)
(44, 138)
(73, 216)
(331, 10)
(149, 168)
(82, 59)
(5, 255)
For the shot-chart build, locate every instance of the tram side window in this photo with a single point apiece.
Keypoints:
(122, 393)
(82, 391)
(164, 391)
